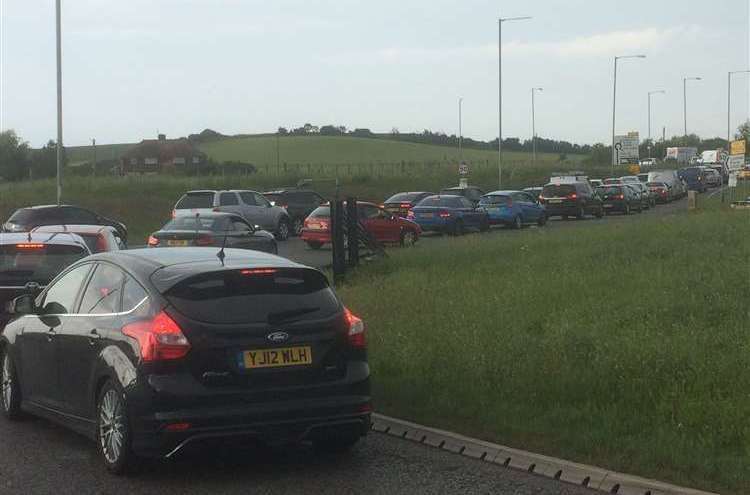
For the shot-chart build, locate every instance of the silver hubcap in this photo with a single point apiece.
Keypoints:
(298, 226)
(7, 383)
(111, 427)
(283, 230)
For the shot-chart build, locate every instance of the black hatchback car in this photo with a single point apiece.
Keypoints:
(299, 203)
(472, 193)
(620, 198)
(571, 199)
(25, 219)
(151, 350)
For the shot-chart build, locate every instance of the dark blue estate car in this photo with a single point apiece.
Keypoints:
(449, 214)
(513, 208)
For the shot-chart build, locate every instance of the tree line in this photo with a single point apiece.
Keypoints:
(18, 161)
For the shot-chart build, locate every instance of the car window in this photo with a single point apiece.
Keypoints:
(195, 200)
(368, 211)
(71, 215)
(104, 291)
(465, 203)
(228, 199)
(28, 215)
(520, 197)
(61, 296)
(529, 197)
(557, 190)
(32, 262)
(132, 297)
(474, 194)
(260, 200)
(321, 212)
(495, 200)
(249, 198)
(240, 226)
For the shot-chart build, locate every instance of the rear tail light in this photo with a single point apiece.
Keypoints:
(405, 206)
(177, 427)
(356, 332)
(258, 271)
(620, 196)
(444, 214)
(216, 208)
(30, 245)
(410, 214)
(153, 241)
(174, 213)
(159, 339)
(572, 196)
(204, 240)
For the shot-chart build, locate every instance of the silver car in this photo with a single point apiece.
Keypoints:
(677, 188)
(251, 205)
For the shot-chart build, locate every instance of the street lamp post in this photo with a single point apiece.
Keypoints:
(460, 132)
(660, 91)
(500, 94)
(614, 105)
(59, 103)
(684, 98)
(533, 125)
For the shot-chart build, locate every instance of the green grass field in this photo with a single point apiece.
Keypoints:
(622, 344)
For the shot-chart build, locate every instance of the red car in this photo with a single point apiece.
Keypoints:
(383, 226)
(98, 238)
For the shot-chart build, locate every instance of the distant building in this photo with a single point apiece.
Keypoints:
(161, 155)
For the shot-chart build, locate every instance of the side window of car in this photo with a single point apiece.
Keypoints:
(72, 216)
(248, 198)
(104, 291)
(465, 203)
(368, 212)
(228, 199)
(133, 296)
(61, 296)
(261, 200)
(240, 226)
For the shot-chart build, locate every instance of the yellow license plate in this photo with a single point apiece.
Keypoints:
(272, 358)
(177, 243)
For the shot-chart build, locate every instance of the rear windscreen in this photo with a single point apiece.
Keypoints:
(446, 201)
(607, 190)
(495, 200)
(266, 295)
(691, 172)
(24, 215)
(31, 262)
(559, 190)
(321, 212)
(195, 200)
(198, 223)
(402, 197)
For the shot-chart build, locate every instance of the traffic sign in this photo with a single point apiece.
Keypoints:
(736, 162)
(463, 168)
(628, 149)
(737, 147)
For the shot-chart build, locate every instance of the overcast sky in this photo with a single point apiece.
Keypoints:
(244, 66)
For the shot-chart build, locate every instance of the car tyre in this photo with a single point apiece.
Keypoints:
(542, 220)
(484, 225)
(581, 213)
(517, 222)
(282, 229)
(458, 228)
(297, 226)
(336, 444)
(314, 245)
(11, 391)
(113, 435)
(600, 212)
(627, 209)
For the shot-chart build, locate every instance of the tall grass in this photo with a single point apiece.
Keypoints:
(624, 345)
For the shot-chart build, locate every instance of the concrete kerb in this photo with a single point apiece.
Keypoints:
(551, 467)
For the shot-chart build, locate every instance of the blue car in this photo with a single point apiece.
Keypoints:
(449, 214)
(694, 177)
(513, 208)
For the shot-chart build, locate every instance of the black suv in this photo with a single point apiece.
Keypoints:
(25, 219)
(299, 203)
(575, 199)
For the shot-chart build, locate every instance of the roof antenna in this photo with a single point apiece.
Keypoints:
(221, 254)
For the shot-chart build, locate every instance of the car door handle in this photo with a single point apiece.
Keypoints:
(93, 337)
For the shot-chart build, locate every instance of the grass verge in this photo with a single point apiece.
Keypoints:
(622, 345)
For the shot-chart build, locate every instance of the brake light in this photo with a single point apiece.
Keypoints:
(159, 339)
(444, 214)
(258, 271)
(620, 196)
(356, 332)
(101, 244)
(204, 240)
(572, 196)
(30, 245)
(216, 208)
(410, 214)
(177, 427)
(153, 241)
(405, 205)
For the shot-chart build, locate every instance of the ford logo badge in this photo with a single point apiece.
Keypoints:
(277, 337)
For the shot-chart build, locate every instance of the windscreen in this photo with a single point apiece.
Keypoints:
(558, 190)
(402, 198)
(195, 200)
(495, 200)
(445, 201)
(216, 224)
(32, 262)
(321, 212)
(261, 295)
(24, 215)
(609, 190)
(691, 172)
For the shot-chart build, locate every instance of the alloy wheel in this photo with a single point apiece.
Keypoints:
(408, 239)
(7, 383)
(298, 224)
(111, 426)
(517, 223)
(283, 230)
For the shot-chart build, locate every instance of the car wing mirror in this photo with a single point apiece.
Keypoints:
(23, 305)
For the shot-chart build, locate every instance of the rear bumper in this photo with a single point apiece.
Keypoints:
(273, 416)
(315, 236)
(556, 209)
(435, 224)
(614, 206)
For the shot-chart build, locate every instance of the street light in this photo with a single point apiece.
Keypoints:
(729, 103)
(614, 104)
(500, 22)
(460, 133)
(684, 98)
(533, 126)
(59, 103)
(657, 92)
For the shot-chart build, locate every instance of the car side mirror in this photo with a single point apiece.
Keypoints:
(24, 304)
(54, 308)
